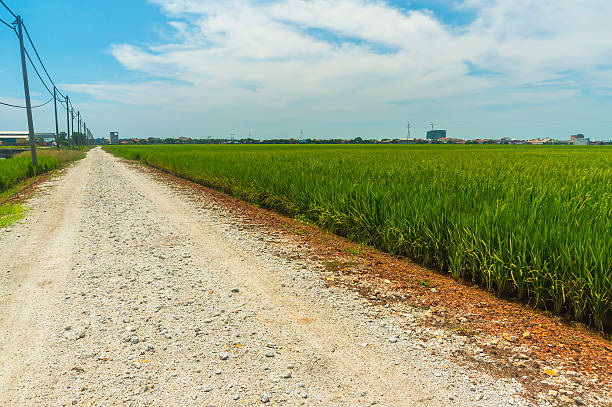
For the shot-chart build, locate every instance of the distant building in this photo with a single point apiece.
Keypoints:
(114, 137)
(584, 141)
(447, 140)
(403, 141)
(21, 137)
(542, 140)
(436, 134)
(579, 140)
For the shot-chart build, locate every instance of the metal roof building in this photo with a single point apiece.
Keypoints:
(19, 137)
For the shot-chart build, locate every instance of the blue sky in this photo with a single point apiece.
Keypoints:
(342, 68)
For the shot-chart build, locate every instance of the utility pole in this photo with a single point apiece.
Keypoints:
(68, 120)
(408, 134)
(72, 128)
(79, 141)
(26, 90)
(56, 125)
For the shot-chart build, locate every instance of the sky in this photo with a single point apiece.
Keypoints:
(332, 69)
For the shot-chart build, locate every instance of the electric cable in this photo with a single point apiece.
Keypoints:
(38, 73)
(7, 7)
(7, 24)
(65, 102)
(34, 66)
(39, 59)
(24, 107)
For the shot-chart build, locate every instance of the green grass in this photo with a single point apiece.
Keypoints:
(19, 167)
(532, 222)
(10, 213)
(17, 172)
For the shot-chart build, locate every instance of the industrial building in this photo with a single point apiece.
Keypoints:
(20, 138)
(436, 134)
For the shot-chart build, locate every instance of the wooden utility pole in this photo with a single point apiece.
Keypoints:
(56, 125)
(79, 141)
(26, 89)
(68, 120)
(72, 128)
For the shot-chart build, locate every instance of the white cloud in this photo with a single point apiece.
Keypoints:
(356, 56)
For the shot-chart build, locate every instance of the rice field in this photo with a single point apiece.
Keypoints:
(528, 222)
(19, 167)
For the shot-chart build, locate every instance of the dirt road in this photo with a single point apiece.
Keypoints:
(116, 290)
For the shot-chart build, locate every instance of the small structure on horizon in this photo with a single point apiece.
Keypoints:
(114, 137)
(579, 140)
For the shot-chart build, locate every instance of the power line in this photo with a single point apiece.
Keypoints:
(7, 24)
(35, 70)
(37, 73)
(24, 107)
(64, 101)
(39, 59)
(9, 10)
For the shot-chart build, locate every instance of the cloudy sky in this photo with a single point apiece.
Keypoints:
(342, 68)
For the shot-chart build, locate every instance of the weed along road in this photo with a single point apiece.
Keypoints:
(120, 288)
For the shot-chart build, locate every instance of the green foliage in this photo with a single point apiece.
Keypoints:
(526, 221)
(18, 168)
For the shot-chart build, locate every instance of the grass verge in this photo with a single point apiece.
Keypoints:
(18, 176)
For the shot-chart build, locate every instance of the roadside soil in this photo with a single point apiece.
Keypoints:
(127, 286)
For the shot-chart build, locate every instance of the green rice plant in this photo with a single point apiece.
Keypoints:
(533, 222)
(19, 167)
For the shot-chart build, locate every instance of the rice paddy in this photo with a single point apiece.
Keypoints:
(528, 222)
(19, 167)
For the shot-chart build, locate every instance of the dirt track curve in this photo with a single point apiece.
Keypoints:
(118, 291)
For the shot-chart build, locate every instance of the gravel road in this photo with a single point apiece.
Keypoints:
(116, 290)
